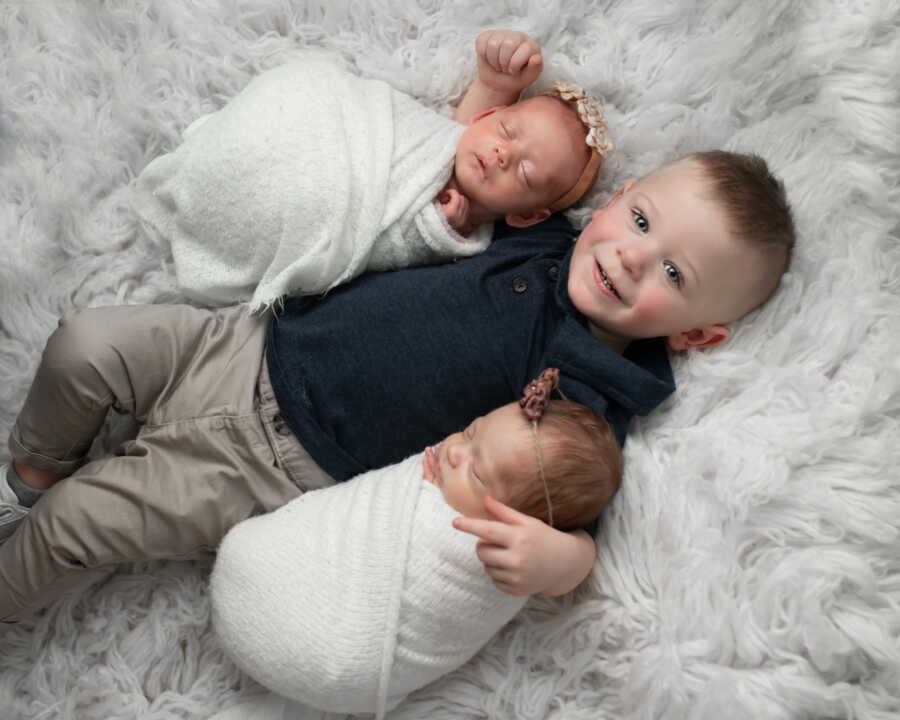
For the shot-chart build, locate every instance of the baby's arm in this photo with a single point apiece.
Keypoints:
(508, 62)
(524, 556)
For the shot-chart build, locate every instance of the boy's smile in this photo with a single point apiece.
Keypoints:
(604, 284)
(659, 261)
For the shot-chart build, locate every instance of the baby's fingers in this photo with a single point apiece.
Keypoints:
(507, 582)
(491, 531)
(524, 53)
(505, 53)
(491, 52)
(508, 589)
(497, 558)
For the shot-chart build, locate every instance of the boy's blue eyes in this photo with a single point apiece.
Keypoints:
(673, 273)
(640, 221)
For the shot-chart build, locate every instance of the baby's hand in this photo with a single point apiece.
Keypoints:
(508, 60)
(522, 555)
(456, 207)
(429, 463)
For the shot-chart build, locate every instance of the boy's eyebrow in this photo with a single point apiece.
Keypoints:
(696, 282)
(648, 201)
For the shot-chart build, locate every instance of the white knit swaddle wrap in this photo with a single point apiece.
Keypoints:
(308, 177)
(349, 598)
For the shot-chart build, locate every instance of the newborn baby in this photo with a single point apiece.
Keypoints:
(312, 175)
(349, 598)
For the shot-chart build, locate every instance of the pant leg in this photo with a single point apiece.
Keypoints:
(200, 463)
(174, 493)
(135, 359)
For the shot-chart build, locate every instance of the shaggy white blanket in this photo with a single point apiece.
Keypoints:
(306, 179)
(750, 565)
(349, 598)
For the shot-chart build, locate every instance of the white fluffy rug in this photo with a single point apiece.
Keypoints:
(750, 567)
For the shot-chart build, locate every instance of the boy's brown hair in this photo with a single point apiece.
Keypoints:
(582, 464)
(755, 205)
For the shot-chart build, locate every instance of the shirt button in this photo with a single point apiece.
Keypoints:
(553, 272)
(280, 425)
(519, 284)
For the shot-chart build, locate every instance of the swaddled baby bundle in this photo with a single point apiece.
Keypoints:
(348, 598)
(308, 177)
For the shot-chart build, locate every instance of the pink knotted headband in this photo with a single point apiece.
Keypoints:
(534, 401)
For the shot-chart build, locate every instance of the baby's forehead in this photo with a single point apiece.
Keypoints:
(548, 108)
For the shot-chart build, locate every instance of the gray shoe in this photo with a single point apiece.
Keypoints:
(11, 510)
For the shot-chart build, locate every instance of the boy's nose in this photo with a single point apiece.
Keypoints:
(633, 257)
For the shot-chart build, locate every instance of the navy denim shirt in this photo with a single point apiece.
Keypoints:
(380, 368)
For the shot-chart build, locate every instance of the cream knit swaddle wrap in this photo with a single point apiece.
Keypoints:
(348, 598)
(308, 177)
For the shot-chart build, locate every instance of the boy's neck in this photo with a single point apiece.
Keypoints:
(617, 343)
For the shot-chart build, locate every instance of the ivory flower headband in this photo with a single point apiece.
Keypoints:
(590, 113)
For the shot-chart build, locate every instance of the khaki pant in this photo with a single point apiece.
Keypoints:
(212, 450)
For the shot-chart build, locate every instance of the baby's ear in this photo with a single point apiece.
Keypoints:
(707, 336)
(524, 220)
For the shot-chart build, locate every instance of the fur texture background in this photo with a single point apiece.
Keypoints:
(750, 567)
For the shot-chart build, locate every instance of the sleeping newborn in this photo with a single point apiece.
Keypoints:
(348, 598)
(312, 175)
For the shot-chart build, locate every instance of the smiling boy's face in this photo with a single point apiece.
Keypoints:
(659, 261)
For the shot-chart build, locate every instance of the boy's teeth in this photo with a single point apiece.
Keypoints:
(608, 282)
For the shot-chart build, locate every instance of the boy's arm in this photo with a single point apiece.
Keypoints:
(524, 556)
(508, 62)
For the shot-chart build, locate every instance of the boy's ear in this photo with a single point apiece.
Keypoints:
(707, 336)
(524, 220)
(489, 111)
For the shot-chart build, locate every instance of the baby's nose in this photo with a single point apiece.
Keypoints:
(504, 155)
(454, 450)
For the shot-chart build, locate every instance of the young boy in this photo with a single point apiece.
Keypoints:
(243, 413)
(312, 175)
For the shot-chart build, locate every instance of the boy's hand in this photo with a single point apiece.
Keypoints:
(508, 61)
(524, 556)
